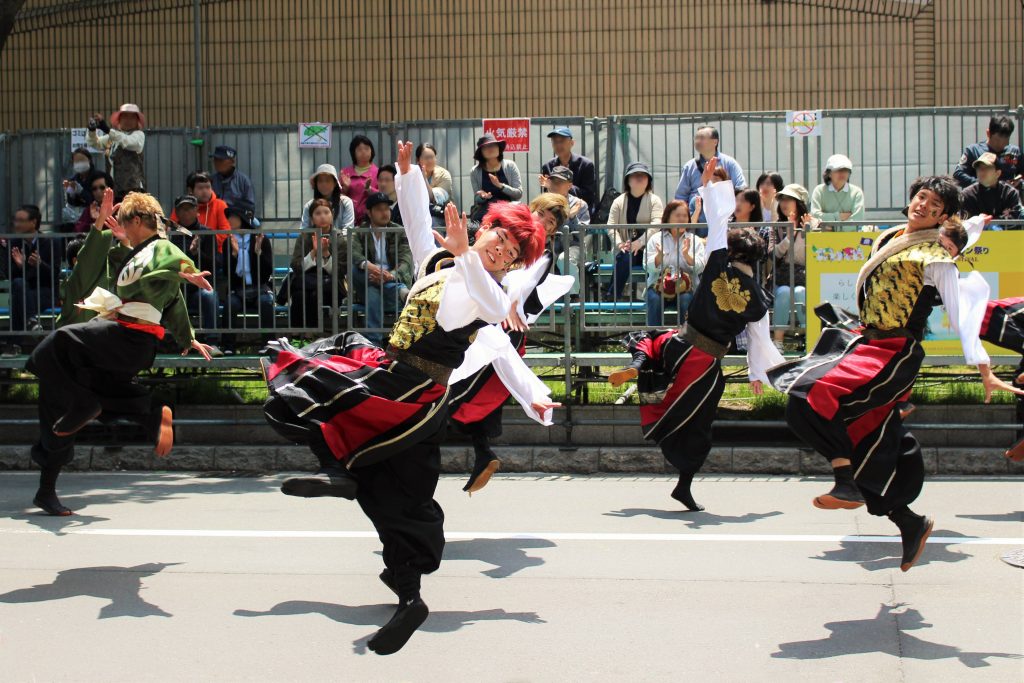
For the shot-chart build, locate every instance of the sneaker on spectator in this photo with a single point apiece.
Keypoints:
(34, 325)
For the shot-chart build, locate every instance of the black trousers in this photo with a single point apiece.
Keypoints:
(688, 447)
(831, 437)
(397, 495)
(90, 363)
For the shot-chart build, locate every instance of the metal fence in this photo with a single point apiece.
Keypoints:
(889, 149)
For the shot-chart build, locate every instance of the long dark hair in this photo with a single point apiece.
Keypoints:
(334, 198)
(753, 198)
(774, 177)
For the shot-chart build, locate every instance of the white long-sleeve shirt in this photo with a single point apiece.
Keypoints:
(134, 141)
(965, 301)
(719, 204)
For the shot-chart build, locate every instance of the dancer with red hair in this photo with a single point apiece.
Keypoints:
(375, 417)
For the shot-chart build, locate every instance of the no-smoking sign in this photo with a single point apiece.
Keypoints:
(804, 123)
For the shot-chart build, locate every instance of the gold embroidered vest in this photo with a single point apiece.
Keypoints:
(893, 290)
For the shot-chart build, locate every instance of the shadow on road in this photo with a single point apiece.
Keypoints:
(508, 555)
(1001, 517)
(122, 586)
(378, 615)
(877, 556)
(694, 520)
(884, 633)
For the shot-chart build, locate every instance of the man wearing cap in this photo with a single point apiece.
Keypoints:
(230, 184)
(198, 241)
(122, 140)
(997, 141)
(989, 194)
(583, 171)
(383, 264)
(705, 142)
(837, 199)
(560, 181)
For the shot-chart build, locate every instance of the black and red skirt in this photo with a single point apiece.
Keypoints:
(675, 383)
(854, 383)
(346, 393)
(1003, 324)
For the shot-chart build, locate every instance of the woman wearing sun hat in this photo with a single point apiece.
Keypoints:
(494, 178)
(122, 140)
(837, 199)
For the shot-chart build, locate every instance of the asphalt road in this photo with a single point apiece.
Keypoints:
(171, 577)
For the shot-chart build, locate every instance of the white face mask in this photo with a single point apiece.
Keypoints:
(80, 166)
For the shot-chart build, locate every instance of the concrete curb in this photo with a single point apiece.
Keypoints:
(540, 458)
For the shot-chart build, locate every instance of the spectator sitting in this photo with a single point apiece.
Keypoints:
(386, 184)
(638, 205)
(696, 205)
(326, 185)
(837, 199)
(230, 184)
(122, 141)
(202, 247)
(673, 260)
(584, 173)
(382, 275)
(249, 263)
(705, 141)
(790, 289)
(97, 183)
(76, 189)
(997, 141)
(574, 214)
(211, 208)
(769, 184)
(989, 194)
(494, 178)
(359, 179)
(32, 263)
(439, 180)
(314, 272)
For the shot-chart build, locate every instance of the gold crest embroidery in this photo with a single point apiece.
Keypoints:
(729, 295)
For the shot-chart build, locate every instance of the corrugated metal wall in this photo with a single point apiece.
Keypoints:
(283, 61)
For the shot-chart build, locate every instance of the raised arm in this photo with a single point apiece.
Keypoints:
(719, 201)
(414, 205)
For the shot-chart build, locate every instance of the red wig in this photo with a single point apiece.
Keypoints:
(521, 226)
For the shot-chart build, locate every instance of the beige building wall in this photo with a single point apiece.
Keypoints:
(283, 61)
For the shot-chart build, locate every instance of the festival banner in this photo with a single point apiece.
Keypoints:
(835, 258)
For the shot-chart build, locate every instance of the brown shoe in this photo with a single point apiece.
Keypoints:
(1016, 452)
(165, 438)
(620, 377)
(844, 496)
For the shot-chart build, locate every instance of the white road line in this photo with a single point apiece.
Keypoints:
(543, 536)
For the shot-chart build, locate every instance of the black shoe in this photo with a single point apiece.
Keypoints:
(844, 496)
(76, 418)
(336, 484)
(486, 465)
(682, 493)
(387, 577)
(396, 633)
(51, 505)
(914, 532)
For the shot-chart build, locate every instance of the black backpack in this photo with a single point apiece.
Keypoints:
(604, 207)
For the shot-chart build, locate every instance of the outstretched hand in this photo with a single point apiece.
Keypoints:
(543, 406)
(993, 383)
(203, 349)
(709, 171)
(197, 279)
(514, 322)
(457, 228)
(404, 156)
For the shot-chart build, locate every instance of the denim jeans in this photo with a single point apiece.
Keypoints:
(207, 303)
(388, 297)
(657, 305)
(624, 262)
(780, 314)
(28, 302)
